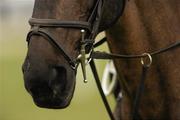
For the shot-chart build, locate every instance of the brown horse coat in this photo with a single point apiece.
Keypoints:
(147, 26)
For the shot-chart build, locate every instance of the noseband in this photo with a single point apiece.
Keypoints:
(38, 26)
(89, 31)
(90, 27)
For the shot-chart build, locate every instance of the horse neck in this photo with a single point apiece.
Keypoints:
(147, 26)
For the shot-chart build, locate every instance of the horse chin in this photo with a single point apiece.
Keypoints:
(51, 99)
(53, 103)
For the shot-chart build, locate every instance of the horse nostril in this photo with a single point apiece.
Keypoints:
(59, 78)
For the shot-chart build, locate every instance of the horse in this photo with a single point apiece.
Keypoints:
(57, 43)
(146, 26)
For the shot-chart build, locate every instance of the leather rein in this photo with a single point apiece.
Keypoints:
(89, 31)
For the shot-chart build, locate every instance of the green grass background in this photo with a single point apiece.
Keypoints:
(17, 104)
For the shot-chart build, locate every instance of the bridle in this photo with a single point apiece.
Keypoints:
(90, 27)
(89, 31)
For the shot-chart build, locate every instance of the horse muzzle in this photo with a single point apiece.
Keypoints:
(50, 86)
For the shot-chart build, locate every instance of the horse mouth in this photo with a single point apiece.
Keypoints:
(51, 103)
(49, 98)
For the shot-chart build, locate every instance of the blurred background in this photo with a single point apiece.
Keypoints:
(15, 102)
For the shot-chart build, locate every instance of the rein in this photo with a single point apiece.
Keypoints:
(145, 68)
(89, 31)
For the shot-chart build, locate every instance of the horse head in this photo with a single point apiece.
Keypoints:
(50, 68)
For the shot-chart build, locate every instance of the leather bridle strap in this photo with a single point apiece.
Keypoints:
(98, 83)
(45, 34)
(104, 55)
(60, 24)
(139, 93)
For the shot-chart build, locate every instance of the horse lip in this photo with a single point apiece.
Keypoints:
(52, 102)
(53, 99)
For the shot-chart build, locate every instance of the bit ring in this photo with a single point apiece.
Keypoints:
(149, 62)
